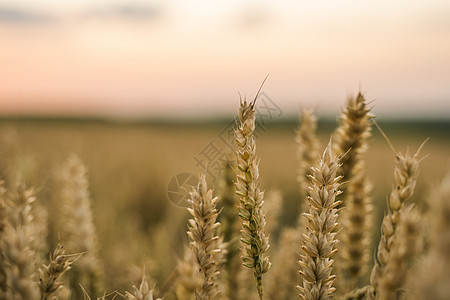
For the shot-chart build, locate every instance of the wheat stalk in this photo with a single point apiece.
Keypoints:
(319, 242)
(204, 241)
(254, 240)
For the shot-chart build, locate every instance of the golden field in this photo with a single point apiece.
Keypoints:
(131, 163)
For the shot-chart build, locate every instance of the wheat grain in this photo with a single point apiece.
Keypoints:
(319, 243)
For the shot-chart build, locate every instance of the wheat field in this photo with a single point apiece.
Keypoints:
(302, 209)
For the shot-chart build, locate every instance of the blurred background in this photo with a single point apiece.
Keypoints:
(175, 58)
(141, 90)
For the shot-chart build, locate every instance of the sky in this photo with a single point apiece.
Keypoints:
(133, 58)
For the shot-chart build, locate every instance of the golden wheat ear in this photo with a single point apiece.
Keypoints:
(319, 242)
(430, 277)
(204, 240)
(407, 243)
(351, 139)
(17, 244)
(230, 231)
(405, 174)
(143, 292)
(50, 275)
(283, 275)
(307, 148)
(253, 237)
(188, 278)
(76, 226)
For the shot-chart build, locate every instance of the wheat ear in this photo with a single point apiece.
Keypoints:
(352, 134)
(319, 242)
(77, 229)
(254, 240)
(406, 172)
(50, 275)
(204, 241)
(406, 244)
(307, 148)
(357, 223)
(431, 276)
(3, 222)
(141, 293)
(229, 229)
(18, 245)
(188, 278)
(351, 139)
(283, 275)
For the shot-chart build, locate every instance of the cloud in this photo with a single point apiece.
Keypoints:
(253, 18)
(145, 12)
(14, 15)
(128, 11)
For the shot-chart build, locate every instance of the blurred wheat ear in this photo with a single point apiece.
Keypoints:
(229, 229)
(143, 292)
(406, 172)
(76, 227)
(307, 149)
(17, 245)
(3, 223)
(351, 142)
(431, 276)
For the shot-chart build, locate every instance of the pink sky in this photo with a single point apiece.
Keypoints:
(157, 58)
